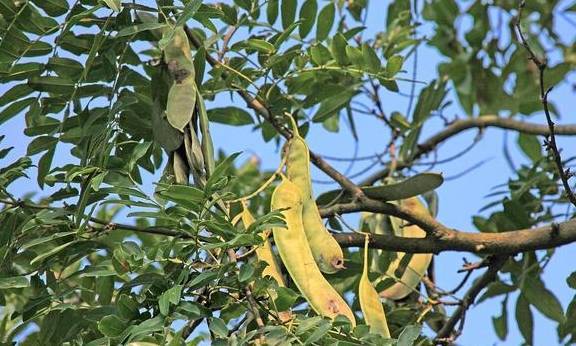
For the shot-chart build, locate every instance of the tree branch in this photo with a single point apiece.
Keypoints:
(511, 242)
(481, 122)
(440, 238)
(445, 335)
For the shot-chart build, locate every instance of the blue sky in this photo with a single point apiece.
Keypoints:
(459, 199)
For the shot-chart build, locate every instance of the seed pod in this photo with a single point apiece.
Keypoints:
(264, 253)
(296, 255)
(370, 301)
(326, 251)
(418, 263)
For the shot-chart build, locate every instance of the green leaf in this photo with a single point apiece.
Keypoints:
(371, 60)
(571, 280)
(203, 279)
(325, 21)
(134, 29)
(246, 272)
(307, 17)
(332, 124)
(394, 65)
(53, 8)
(285, 35)
(111, 326)
(65, 67)
(288, 9)
(409, 335)
(399, 121)
(52, 84)
(319, 332)
(355, 56)
(320, 55)
(260, 45)
(15, 108)
(40, 144)
(338, 49)
(218, 327)
(14, 282)
(542, 299)
(222, 168)
(500, 323)
(189, 10)
(44, 165)
(169, 297)
(531, 146)
(286, 297)
(127, 307)
(230, 115)
(186, 196)
(525, 319)
(115, 5)
(332, 105)
(308, 324)
(105, 289)
(15, 93)
(272, 11)
(181, 103)
(21, 71)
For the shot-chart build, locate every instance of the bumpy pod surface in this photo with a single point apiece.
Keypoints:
(325, 249)
(296, 255)
(417, 265)
(370, 302)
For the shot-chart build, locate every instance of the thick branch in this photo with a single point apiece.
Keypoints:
(511, 242)
(462, 125)
(490, 275)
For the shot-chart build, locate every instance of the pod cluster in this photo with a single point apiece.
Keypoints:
(308, 251)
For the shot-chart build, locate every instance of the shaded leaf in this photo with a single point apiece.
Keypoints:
(230, 116)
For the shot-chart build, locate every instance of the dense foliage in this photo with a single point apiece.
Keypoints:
(96, 258)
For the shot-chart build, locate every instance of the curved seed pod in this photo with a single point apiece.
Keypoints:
(418, 263)
(370, 301)
(264, 253)
(326, 251)
(297, 257)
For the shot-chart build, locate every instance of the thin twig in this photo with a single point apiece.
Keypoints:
(446, 334)
(550, 141)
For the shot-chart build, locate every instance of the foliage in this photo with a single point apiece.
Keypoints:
(90, 79)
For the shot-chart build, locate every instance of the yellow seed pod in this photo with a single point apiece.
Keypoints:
(418, 264)
(264, 252)
(296, 255)
(370, 301)
(325, 249)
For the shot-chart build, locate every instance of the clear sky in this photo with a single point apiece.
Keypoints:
(459, 198)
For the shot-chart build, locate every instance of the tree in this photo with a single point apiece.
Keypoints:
(139, 232)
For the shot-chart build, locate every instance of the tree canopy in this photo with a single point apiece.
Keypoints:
(137, 227)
